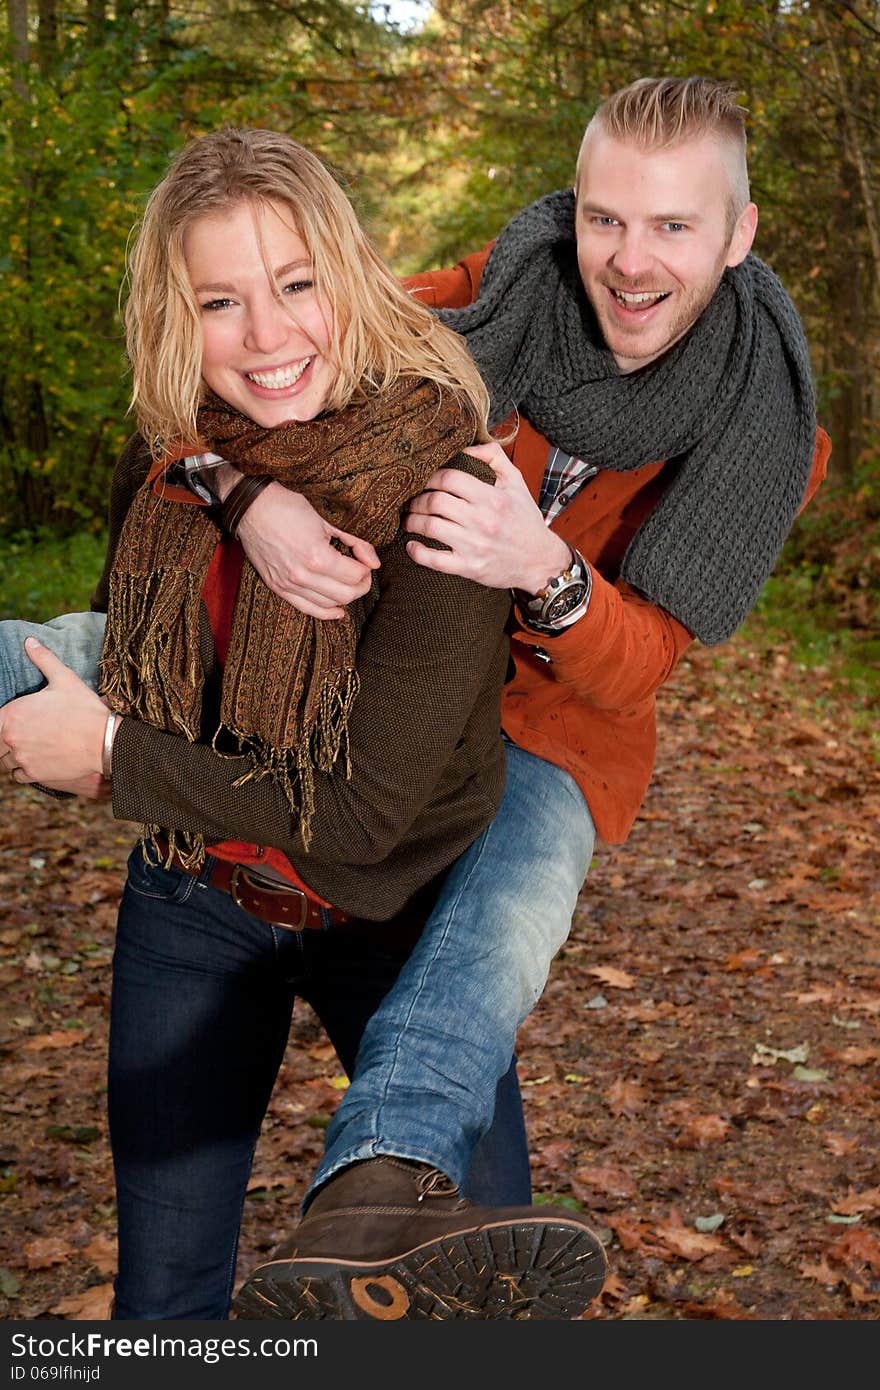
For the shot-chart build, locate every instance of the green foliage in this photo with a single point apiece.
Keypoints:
(818, 639)
(84, 144)
(45, 575)
(89, 131)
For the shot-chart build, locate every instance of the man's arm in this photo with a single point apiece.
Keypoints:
(291, 547)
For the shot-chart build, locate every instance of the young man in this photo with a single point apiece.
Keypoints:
(666, 440)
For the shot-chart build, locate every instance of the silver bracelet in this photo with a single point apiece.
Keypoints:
(107, 750)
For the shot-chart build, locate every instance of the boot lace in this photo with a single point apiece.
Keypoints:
(434, 1183)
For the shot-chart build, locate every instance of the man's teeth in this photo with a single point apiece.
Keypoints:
(641, 299)
(280, 377)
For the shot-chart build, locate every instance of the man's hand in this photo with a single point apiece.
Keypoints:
(55, 736)
(288, 544)
(496, 535)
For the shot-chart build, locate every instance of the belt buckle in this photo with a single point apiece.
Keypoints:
(268, 890)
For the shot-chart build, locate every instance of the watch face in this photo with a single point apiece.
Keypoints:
(563, 603)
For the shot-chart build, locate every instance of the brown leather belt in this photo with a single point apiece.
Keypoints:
(265, 898)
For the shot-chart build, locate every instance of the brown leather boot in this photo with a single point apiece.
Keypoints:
(389, 1239)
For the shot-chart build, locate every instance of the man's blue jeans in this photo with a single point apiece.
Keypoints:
(201, 1008)
(75, 638)
(431, 1055)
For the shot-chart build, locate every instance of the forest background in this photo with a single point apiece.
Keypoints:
(443, 120)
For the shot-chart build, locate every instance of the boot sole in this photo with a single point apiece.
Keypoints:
(518, 1270)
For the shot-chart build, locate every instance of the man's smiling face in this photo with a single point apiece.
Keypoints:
(655, 232)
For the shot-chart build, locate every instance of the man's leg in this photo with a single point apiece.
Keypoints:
(351, 970)
(433, 1053)
(388, 1234)
(75, 638)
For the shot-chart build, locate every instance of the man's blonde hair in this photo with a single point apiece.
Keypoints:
(379, 332)
(659, 111)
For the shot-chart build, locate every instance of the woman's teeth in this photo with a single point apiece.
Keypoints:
(281, 377)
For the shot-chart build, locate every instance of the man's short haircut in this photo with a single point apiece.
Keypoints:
(658, 111)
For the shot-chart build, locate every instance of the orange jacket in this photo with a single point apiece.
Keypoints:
(592, 711)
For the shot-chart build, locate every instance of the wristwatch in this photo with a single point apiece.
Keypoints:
(562, 601)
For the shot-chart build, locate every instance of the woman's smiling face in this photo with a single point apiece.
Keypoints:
(266, 334)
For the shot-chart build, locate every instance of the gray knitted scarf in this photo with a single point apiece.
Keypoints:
(731, 406)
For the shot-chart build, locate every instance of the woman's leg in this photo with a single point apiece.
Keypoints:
(75, 638)
(201, 1005)
(431, 1057)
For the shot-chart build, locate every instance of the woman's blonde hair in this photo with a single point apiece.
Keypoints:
(380, 332)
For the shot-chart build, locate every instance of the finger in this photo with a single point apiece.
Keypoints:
(321, 591)
(437, 504)
(45, 660)
(443, 561)
(361, 550)
(491, 453)
(455, 482)
(317, 610)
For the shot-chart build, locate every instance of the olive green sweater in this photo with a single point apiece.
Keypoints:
(426, 752)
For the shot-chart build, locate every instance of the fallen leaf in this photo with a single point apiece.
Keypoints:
(636, 1235)
(63, 1037)
(625, 1097)
(857, 1247)
(855, 1056)
(743, 960)
(821, 1272)
(860, 1294)
(604, 1179)
(45, 1251)
(102, 1253)
(613, 1288)
(800, 1053)
(92, 1306)
(703, 1130)
(860, 1202)
(610, 975)
(841, 1144)
(689, 1245)
(264, 1182)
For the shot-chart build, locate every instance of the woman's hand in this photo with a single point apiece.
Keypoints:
(56, 736)
(288, 544)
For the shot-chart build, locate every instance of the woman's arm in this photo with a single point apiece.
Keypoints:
(431, 651)
(433, 647)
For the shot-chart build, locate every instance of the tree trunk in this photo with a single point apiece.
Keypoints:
(47, 35)
(17, 15)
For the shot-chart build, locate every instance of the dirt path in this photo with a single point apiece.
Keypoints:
(701, 1074)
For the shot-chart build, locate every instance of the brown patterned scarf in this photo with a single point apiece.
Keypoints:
(289, 680)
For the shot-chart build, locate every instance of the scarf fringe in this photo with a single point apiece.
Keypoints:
(188, 847)
(293, 769)
(141, 616)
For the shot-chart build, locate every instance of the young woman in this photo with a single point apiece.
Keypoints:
(292, 773)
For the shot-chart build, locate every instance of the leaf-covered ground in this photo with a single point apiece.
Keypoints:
(701, 1074)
